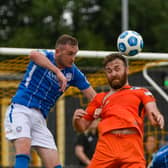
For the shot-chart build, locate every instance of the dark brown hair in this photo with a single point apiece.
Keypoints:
(114, 56)
(66, 39)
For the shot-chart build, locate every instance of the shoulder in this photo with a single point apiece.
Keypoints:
(135, 88)
(99, 96)
(77, 72)
(46, 52)
(162, 151)
(138, 88)
(97, 100)
(49, 54)
(82, 137)
(75, 68)
(141, 90)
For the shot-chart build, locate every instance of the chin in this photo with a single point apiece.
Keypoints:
(69, 66)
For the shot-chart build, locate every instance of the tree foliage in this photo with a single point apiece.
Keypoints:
(96, 23)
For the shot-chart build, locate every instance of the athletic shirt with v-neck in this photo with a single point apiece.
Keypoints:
(121, 109)
(40, 87)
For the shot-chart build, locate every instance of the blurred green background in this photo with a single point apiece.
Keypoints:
(96, 23)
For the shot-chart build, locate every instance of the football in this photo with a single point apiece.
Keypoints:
(130, 43)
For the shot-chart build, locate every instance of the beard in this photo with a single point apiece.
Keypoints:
(118, 82)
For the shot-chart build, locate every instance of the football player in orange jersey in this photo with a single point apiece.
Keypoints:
(122, 111)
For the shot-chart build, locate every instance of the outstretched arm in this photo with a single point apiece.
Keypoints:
(80, 123)
(79, 151)
(154, 115)
(43, 61)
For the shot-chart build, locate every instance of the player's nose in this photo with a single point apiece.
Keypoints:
(113, 73)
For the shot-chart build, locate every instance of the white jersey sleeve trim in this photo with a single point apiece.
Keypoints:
(30, 75)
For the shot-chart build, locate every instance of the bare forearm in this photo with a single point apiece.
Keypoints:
(154, 115)
(79, 123)
(43, 61)
(85, 159)
(81, 155)
(89, 93)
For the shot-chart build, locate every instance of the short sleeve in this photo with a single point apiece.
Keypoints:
(80, 139)
(80, 80)
(48, 54)
(146, 96)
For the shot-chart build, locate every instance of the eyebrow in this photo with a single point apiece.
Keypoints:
(116, 65)
(71, 53)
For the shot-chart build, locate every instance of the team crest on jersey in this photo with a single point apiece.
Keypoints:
(18, 129)
(68, 76)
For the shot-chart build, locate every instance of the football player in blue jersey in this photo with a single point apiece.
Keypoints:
(47, 76)
(160, 158)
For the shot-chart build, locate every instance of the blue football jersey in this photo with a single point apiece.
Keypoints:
(160, 159)
(40, 87)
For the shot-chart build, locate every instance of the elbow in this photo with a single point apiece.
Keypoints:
(80, 129)
(33, 55)
(79, 126)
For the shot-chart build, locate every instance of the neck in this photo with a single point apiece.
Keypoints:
(58, 64)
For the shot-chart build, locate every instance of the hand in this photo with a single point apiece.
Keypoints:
(78, 114)
(80, 123)
(97, 113)
(160, 120)
(156, 119)
(62, 80)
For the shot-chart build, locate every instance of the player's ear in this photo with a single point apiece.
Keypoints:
(57, 51)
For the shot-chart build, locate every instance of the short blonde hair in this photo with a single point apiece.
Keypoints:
(66, 39)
